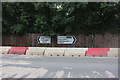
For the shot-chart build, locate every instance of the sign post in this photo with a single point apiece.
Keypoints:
(66, 39)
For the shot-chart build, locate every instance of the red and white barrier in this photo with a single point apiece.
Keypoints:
(67, 52)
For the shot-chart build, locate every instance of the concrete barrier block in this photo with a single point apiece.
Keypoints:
(5, 49)
(75, 52)
(35, 51)
(55, 51)
(113, 52)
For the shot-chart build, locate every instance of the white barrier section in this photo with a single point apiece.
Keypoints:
(35, 51)
(113, 52)
(75, 52)
(5, 49)
(55, 51)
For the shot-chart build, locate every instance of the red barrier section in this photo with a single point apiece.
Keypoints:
(18, 50)
(97, 52)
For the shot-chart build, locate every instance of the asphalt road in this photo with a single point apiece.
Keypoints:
(21, 66)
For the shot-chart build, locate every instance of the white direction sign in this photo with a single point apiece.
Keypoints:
(44, 39)
(66, 39)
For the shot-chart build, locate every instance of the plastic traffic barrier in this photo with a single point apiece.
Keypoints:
(35, 51)
(102, 52)
(113, 52)
(75, 52)
(18, 50)
(54, 52)
(5, 49)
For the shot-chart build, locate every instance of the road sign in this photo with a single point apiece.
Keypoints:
(44, 39)
(66, 39)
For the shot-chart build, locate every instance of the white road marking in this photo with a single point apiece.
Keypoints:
(95, 72)
(9, 71)
(19, 62)
(86, 76)
(59, 74)
(37, 73)
(69, 75)
(18, 71)
(50, 74)
(109, 74)
(66, 68)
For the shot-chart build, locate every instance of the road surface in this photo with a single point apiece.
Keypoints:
(21, 66)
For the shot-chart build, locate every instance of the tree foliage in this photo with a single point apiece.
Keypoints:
(51, 18)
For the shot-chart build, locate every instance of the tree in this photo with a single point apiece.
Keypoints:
(51, 18)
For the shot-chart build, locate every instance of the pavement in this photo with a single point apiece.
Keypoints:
(22, 66)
